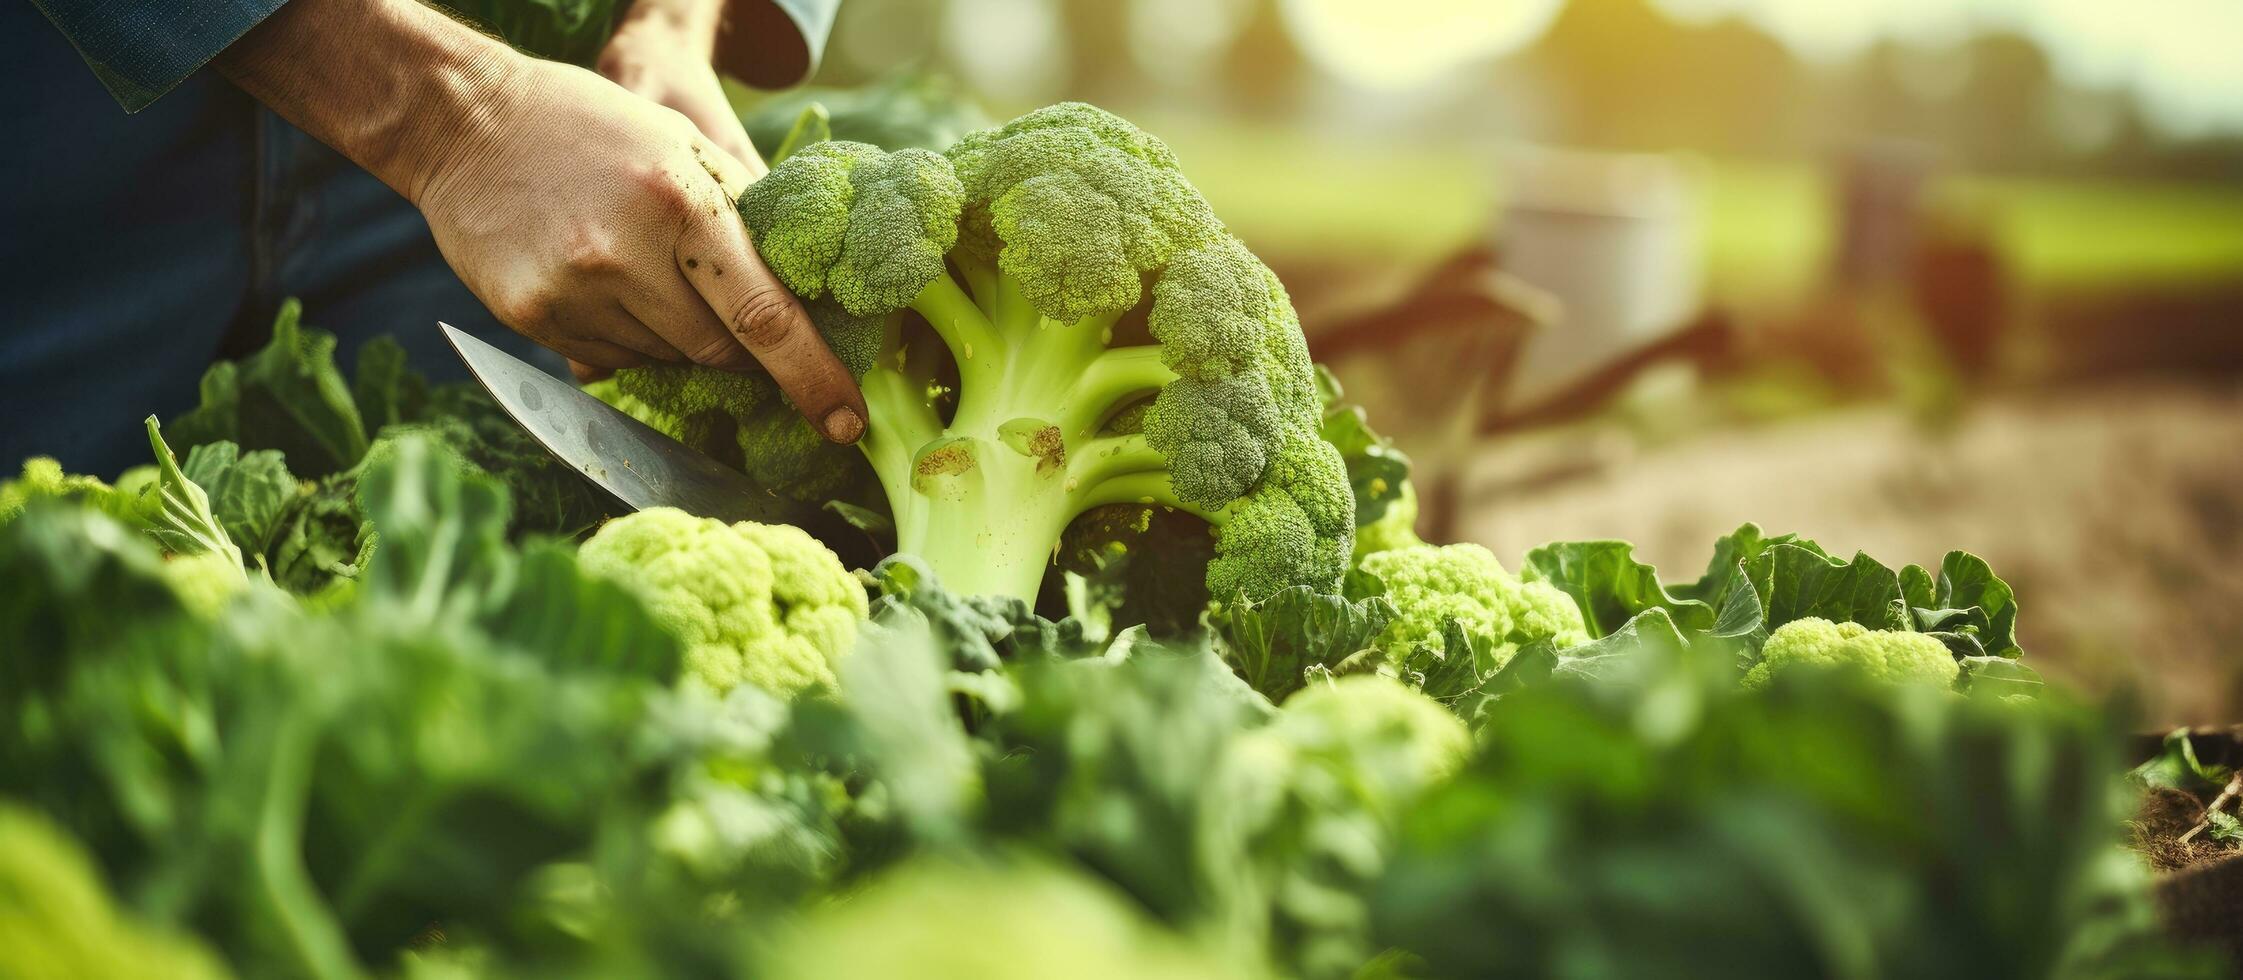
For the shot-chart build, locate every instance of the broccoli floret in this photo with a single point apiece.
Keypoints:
(1891, 656)
(755, 604)
(996, 302)
(1430, 584)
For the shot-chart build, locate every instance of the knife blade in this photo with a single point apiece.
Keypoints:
(626, 457)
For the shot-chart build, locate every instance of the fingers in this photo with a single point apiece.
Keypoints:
(586, 374)
(733, 172)
(607, 340)
(724, 130)
(724, 270)
(598, 355)
(687, 325)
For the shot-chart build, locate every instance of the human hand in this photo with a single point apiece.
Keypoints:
(661, 52)
(585, 217)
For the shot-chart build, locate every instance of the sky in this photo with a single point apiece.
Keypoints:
(2185, 57)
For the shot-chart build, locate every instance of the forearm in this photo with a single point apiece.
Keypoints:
(694, 22)
(395, 86)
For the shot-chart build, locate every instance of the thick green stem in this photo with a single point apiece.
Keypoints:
(990, 529)
(1114, 379)
(973, 339)
(1107, 458)
(984, 499)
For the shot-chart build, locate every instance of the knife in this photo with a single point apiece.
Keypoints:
(625, 457)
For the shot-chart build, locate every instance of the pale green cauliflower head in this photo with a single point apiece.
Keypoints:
(755, 604)
(934, 919)
(1399, 739)
(1432, 583)
(1891, 656)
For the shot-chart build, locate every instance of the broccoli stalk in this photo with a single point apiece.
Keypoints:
(985, 496)
(1011, 264)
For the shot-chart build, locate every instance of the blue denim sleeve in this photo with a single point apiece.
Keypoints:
(141, 48)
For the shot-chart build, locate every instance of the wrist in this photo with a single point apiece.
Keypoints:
(399, 88)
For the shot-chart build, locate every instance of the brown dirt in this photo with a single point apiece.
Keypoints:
(2116, 512)
(2156, 831)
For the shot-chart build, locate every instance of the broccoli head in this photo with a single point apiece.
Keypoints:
(756, 604)
(1046, 319)
(1891, 656)
(1431, 584)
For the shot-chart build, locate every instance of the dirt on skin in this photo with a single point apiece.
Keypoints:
(2116, 512)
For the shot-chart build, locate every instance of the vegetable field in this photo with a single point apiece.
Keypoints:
(1129, 662)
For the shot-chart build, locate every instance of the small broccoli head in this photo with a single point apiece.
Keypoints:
(756, 604)
(1076, 205)
(1430, 584)
(856, 222)
(1889, 656)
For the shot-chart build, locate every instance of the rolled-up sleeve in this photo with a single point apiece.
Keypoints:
(141, 48)
(775, 43)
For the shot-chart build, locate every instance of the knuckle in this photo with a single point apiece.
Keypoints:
(661, 189)
(762, 317)
(589, 252)
(720, 352)
(528, 311)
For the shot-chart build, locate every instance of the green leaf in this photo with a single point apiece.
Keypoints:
(2000, 676)
(249, 492)
(320, 538)
(814, 125)
(1967, 597)
(1375, 469)
(287, 396)
(182, 520)
(573, 31)
(1612, 587)
(386, 388)
(1273, 643)
(2175, 766)
(874, 524)
(1797, 581)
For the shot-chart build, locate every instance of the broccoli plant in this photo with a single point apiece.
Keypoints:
(1045, 319)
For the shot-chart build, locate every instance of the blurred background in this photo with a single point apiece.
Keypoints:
(1900, 276)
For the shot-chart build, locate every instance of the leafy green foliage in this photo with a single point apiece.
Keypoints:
(573, 31)
(1689, 829)
(904, 110)
(288, 396)
(1756, 584)
(57, 919)
(1282, 642)
(483, 738)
